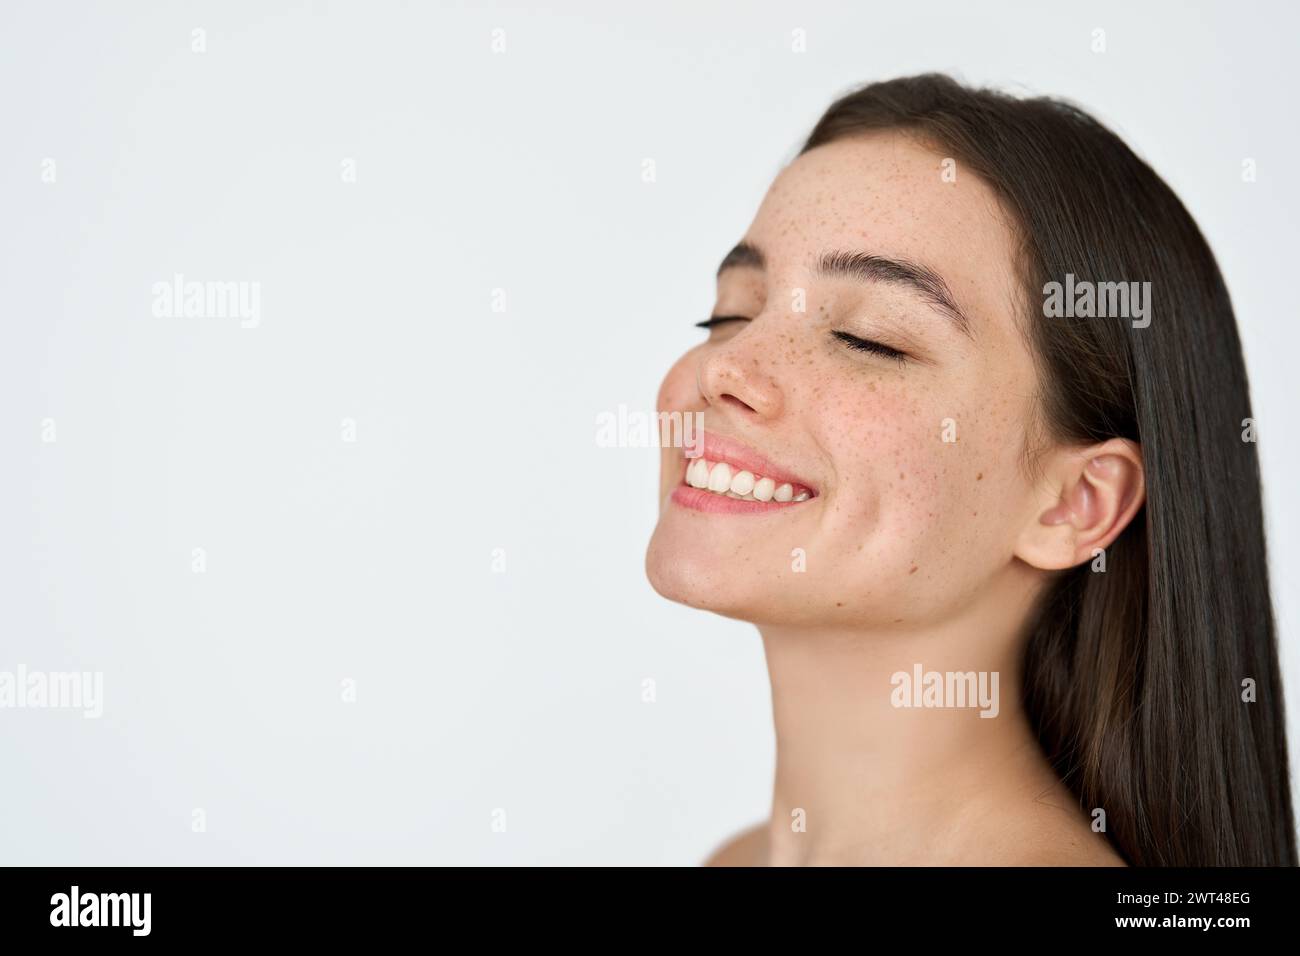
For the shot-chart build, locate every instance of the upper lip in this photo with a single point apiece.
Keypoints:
(717, 448)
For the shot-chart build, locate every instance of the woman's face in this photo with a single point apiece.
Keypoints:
(911, 446)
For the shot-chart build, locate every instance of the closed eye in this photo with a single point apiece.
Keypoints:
(713, 320)
(868, 345)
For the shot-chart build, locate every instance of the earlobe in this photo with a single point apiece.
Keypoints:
(1091, 496)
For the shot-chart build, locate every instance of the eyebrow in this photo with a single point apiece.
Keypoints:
(868, 267)
(741, 255)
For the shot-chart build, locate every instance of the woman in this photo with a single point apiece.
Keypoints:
(979, 464)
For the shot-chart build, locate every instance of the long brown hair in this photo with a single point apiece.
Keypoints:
(1137, 679)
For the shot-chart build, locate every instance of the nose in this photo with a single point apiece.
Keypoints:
(733, 376)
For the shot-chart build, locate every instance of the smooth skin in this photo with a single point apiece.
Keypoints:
(916, 549)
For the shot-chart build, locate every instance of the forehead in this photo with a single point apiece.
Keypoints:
(887, 194)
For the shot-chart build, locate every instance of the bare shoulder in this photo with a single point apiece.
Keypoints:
(1067, 849)
(1059, 835)
(747, 848)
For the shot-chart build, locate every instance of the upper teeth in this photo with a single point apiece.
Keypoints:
(720, 478)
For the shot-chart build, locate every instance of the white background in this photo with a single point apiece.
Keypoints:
(371, 561)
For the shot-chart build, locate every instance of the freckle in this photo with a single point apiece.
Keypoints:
(980, 476)
(898, 620)
(839, 603)
(913, 571)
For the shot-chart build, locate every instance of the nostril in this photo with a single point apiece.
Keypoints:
(725, 382)
(732, 400)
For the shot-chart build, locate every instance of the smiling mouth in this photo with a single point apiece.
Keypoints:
(728, 481)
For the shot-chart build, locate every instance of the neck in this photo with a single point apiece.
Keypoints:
(860, 779)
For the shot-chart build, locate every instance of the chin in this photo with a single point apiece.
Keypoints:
(682, 574)
(675, 575)
(680, 570)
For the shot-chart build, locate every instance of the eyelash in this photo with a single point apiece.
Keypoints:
(719, 319)
(868, 345)
(852, 341)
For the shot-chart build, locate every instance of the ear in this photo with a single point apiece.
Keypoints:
(1087, 498)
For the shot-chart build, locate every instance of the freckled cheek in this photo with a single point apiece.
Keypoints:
(889, 457)
(904, 485)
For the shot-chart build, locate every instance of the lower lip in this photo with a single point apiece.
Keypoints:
(698, 499)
